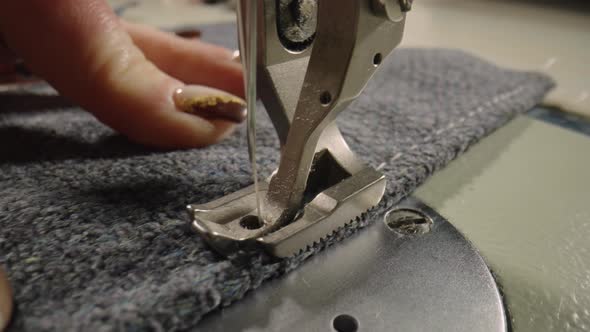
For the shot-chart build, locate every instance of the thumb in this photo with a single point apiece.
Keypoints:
(81, 48)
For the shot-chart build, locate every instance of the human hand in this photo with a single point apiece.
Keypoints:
(128, 75)
(5, 300)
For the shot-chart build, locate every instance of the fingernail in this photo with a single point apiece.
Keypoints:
(188, 33)
(5, 301)
(211, 104)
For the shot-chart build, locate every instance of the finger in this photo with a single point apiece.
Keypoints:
(5, 300)
(81, 48)
(191, 61)
(188, 33)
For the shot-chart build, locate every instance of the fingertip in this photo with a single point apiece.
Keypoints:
(173, 120)
(210, 103)
(186, 132)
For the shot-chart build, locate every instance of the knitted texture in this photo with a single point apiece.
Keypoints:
(93, 230)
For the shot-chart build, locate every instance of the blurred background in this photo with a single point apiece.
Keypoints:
(551, 36)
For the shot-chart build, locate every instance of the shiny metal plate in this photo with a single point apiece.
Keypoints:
(379, 280)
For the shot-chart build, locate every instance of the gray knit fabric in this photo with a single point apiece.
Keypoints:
(93, 231)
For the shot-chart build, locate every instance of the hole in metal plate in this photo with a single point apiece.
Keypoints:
(345, 323)
(251, 222)
(377, 59)
(326, 98)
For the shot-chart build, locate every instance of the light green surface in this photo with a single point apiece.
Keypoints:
(522, 196)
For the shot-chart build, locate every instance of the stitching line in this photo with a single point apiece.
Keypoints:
(497, 99)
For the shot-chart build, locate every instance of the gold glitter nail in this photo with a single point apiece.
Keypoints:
(212, 106)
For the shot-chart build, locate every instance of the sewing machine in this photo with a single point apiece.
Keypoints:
(305, 78)
(310, 67)
(519, 198)
(533, 238)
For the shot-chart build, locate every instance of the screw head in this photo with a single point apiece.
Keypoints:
(408, 222)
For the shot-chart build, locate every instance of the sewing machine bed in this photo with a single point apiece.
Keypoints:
(93, 230)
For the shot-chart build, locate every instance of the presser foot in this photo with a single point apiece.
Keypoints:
(334, 199)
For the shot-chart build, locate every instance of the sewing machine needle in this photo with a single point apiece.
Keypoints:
(248, 47)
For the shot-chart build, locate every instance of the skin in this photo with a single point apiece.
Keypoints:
(5, 300)
(125, 74)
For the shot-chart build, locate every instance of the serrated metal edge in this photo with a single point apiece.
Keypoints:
(323, 239)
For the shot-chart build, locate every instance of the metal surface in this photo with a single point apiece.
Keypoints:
(522, 197)
(571, 121)
(320, 184)
(341, 63)
(408, 221)
(228, 226)
(389, 9)
(384, 281)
